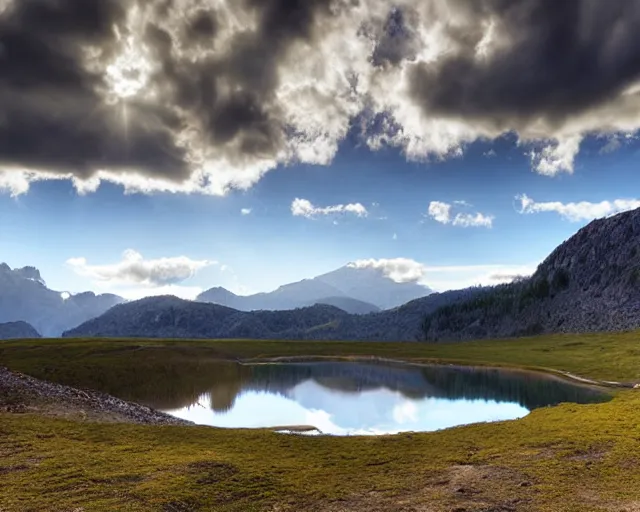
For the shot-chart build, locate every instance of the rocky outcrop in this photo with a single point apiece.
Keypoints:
(591, 282)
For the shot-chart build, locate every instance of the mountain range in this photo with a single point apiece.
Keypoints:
(357, 290)
(591, 282)
(24, 296)
(171, 317)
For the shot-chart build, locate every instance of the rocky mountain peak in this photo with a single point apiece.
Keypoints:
(31, 273)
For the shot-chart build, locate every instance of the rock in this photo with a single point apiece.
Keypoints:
(589, 283)
(21, 390)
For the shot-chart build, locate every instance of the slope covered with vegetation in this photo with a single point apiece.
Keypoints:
(565, 458)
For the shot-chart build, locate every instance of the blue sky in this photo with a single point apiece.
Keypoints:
(369, 131)
(270, 246)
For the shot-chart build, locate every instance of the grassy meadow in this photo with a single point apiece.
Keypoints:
(569, 457)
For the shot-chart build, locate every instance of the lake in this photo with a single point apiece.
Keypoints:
(354, 398)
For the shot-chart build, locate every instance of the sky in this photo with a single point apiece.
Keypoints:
(169, 146)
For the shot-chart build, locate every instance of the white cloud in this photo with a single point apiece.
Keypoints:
(443, 278)
(232, 282)
(576, 212)
(612, 145)
(615, 141)
(401, 270)
(441, 212)
(455, 277)
(466, 220)
(135, 270)
(245, 211)
(395, 236)
(405, 412)
(304, 208)
(556, 158)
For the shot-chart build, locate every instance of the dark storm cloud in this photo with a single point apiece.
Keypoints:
(202, 27)
(559, 58)
(52, 116)
(249, 69)
(53, 111)
(221, 92)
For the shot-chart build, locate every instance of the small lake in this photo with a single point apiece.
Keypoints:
(349, 398)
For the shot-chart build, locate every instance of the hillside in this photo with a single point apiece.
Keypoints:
(353, 306)
(17, 330)
(171, 317)
(24, 296)
(591, 282)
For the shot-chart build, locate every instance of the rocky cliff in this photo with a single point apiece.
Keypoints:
(591, 282)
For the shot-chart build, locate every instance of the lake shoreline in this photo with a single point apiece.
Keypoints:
(20, 393)
(560, 374)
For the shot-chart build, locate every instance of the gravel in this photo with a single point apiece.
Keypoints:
(21, 393)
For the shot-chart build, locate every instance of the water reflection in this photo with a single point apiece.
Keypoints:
(361, 398)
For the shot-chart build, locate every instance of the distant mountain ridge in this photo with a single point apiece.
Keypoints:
(24, 296)
(348, 304)
(591, 282)
(17, 330)
(171, 317)
(361, 290)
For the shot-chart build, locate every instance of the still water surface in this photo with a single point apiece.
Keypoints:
(344, 398)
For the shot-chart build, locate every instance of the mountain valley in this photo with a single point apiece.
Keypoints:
(589, 283)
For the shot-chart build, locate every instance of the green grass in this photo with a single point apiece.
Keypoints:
(603, 356)
(570, 457)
